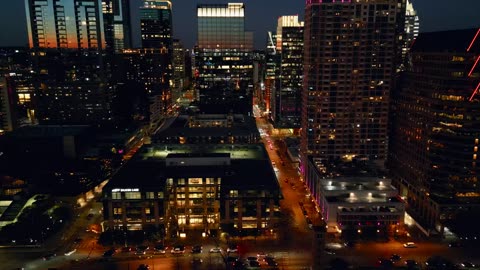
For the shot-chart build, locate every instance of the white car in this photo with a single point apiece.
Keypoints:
(215, 250)
(178, 250)
(409, 245)
(68, 253)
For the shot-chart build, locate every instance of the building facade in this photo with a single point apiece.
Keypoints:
(349, 62)
(67, 47)
(187, 188)
(223, 54)
(287, 94)
(157, 73)
(412, 29)
(355, 202)
(116, 18)
(179, 74)
(435, 133)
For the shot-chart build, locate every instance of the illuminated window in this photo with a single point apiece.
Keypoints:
(194, 181)
(133, 195)
(150, 195)
(117, 211)
(147, 211)
(160, 195)
(233, 193)
(116, 196)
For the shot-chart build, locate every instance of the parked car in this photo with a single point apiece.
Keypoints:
(159, 249)
(49, 256)
(178, 249)
(143, 267)
(141, 250)
(454, 244)
(395, 258)
(109, 253)
(197, 249)
(411, 263)
(77, 240)
(329, 251)
(126, 249)
(215, 250)
(232, 248)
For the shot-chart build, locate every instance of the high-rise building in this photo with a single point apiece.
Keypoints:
(178, 69)
(116, 17)
(70, 79)
(156, 24)
(223, 56)
(287, 93)
(73, 24)
(8, 119)
(271, 70)
(349, 61)
(435, 128)
(412, 28)
(157, 56)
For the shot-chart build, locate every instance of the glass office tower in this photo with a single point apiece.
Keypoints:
(287, 93)
(70, 78)
(223, 57)
(156, 24)
(71, 24)
(116, 16)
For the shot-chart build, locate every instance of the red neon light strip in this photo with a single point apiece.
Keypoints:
(473, 40)
(474, 66)
(474, 92)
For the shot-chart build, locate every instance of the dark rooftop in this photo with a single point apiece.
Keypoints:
(48, 131)
(448, 41)
(253, 171)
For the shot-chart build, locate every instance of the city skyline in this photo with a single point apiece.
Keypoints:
(445, 17)
(342, 140)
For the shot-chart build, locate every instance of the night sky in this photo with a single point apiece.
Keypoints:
(261, 17)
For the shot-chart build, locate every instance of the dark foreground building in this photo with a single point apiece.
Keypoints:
(201, 188)
(436, 128)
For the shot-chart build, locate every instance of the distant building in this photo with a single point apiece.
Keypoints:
(351, 199)
(179, 73)
(435, 128)
(117, 25)
(223, 56)
(412, 29)
(286, 107)
(67, 39)
(157, 42)
(193, 188)
(350, 56)
(271, 71)
(8, 119)
(209, 129)
(149, 72)
(156, 24)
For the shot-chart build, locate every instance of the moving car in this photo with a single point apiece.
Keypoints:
(70, 252)
(409, 245)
